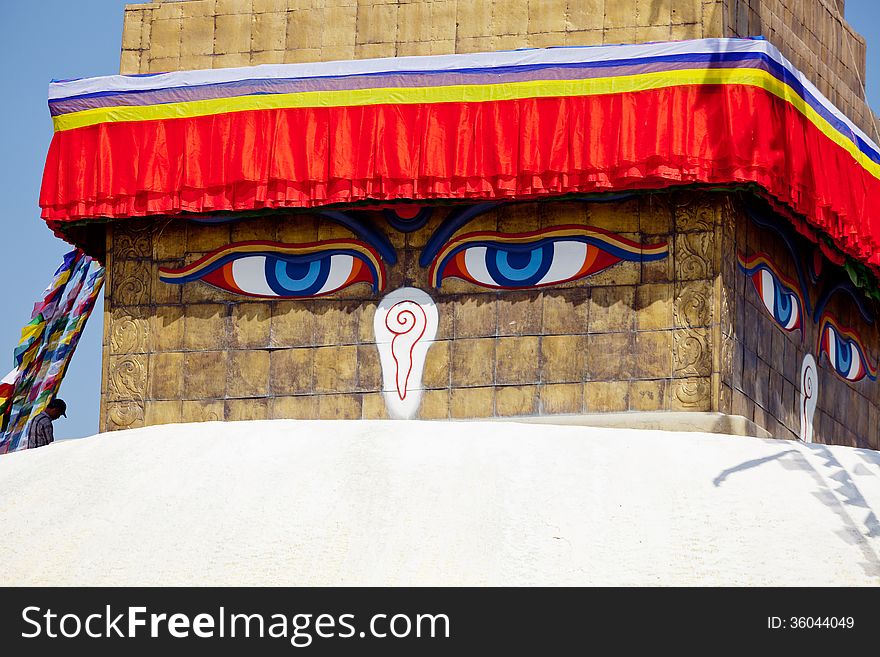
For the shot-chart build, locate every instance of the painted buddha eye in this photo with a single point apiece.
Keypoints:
(270, 269)
(779, 298)
(844, 350)
(536, 259)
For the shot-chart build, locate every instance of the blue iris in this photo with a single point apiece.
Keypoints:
(518, 266)
(783, 303)
(843, 352)
(297, 275)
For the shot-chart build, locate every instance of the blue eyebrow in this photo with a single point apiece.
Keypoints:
(846, 287)
(367, 233)
(447, 229)
(841, 284)
(372, 236)
(786, 237)
(461, 217)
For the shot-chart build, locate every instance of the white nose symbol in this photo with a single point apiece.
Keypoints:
(809, 397)
(405, 326)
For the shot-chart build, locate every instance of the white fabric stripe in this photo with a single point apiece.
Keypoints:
(428, 63)
(525, 57)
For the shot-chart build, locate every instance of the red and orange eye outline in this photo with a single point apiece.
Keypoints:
(844, 349)
(535, 259)
(266, 269)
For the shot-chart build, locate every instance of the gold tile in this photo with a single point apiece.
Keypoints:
(516, 401)
(169, 243)
(547, 16)
(201, 238)
(475, 316)
(246, 409)
(374, 21)
(473, 362)
(233, 33)
(269, 31)
(366, 313)
(166, 375)
(248, 373)
(339, 407)
(693, 394)
(611, 309)
(231, 60)
(619, 217)
(197, 36)
(203, 410)
(369, 369)
(520, 313)
(292, 371)
(205, 326)
(204, 375)
(562, 358)
(373, 407)
(648, 395)
(653, 306)
(471, 402)
(298, 229)
(294, 408)
(249, 325)
(165, 38)
(162, 412)
(293, 324)
(565, 311)
(263, 228)
(609, 356)
(436, 374)
(655, 216)
(474, 19)
(335, 369)
(605, 396)
(166, 328)
(435, 405)
(586, 15)
(516, 360)
(653, 355)
(339, 26)
(559, 398)
(336, 322)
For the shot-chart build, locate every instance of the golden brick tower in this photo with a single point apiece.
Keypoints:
(685, 333)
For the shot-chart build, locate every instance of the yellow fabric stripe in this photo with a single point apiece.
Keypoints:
(467, 94)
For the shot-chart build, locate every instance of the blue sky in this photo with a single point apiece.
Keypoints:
(62, 39)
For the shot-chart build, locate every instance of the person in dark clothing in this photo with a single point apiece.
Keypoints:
(40, 430)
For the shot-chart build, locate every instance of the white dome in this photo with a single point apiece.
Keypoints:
(422, 503)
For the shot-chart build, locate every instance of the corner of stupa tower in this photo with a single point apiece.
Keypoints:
(681, 334)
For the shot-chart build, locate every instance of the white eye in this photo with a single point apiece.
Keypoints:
(778, 299)
(250, 276)
(498, 266)
(271, 276)
(340, 270)
(855, 366)
(768, 290)
(568, 259)
(475, 261)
